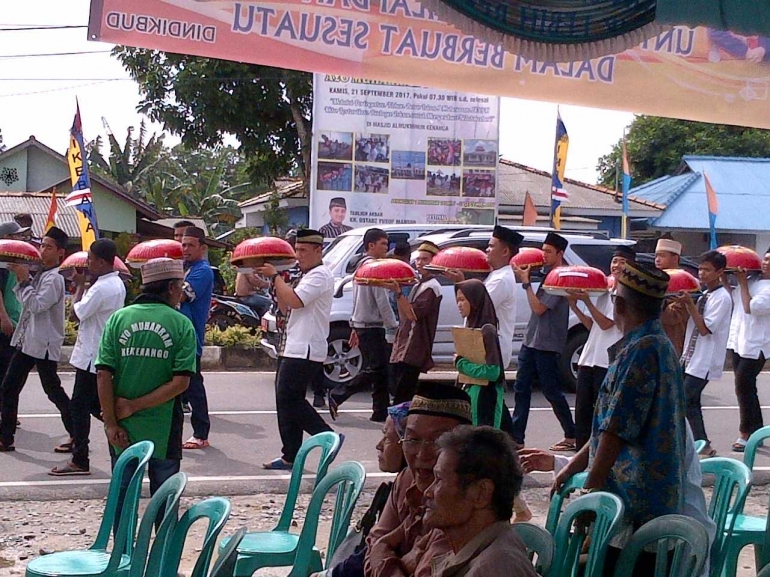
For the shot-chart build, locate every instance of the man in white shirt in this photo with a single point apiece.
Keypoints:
(310, 305)
(750, 342)
(705, 342)
(37, 338)
(106, 294)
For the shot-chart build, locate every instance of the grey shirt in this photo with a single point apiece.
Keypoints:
(371, 308)
(548, 332)
(40, 331)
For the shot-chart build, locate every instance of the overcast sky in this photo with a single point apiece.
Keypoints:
(37, 95)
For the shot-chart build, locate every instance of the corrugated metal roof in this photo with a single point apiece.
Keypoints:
(292, 190)
(515, 180)
(38, 204)
(742, 186)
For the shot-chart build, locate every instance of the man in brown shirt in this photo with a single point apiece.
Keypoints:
(418, 318)
(674, 316)
(400, 541)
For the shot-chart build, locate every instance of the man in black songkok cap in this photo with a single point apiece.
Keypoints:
(338, 210)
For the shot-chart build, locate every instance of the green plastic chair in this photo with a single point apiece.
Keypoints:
(349, 479)
(538, 542)
(608, 512)
(216, 510)
(749, 529)
(574, 483)
(224, 566)
(732, 482)
(97, 560)
(699, 445)
(276, 548)
(162, 512)
(685, 536)
(765, 572)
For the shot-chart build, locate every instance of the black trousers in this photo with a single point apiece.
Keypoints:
(374, 372)
(295, 414)
(84, 404)
(746, 373)
(487, 406)
(199, 404)
(405, 379)
(14, 382)
(6, 353)
(589, 379)
(693, 389)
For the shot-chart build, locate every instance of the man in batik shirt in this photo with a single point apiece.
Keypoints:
(637, 444)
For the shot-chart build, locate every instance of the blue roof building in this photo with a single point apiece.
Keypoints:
(743, 190)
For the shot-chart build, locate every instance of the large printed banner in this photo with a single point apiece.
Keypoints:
(397, 154)
(698, 74)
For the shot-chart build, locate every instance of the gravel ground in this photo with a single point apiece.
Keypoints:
(32, 528)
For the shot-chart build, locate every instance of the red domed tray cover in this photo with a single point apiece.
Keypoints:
(382, 270)
(463, 258)
(741, 257)
(79, 260)
(529, 256)
(585, 278)
(18, 251)
(681, 281)
(257, 250)
(151, 249)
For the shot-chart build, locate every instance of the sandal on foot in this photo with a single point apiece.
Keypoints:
(739, 446)
(564, 445)
(63, 448)
(333, 407)
(193, 443)
(68, 470)
(278, 465)
(7, 448)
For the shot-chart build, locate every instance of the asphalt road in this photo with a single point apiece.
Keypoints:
(244, 434)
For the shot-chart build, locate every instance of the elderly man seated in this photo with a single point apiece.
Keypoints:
(476, 478)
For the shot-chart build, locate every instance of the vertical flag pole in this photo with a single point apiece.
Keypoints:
(81, 197)
(713, 206)
(558, 192)
(626, 188)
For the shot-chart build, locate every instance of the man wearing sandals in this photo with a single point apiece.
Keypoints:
(38, 338)
(304, 352)
(92, 309)
(638, 440)
(146, 359)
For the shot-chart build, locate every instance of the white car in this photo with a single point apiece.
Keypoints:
(343, 255)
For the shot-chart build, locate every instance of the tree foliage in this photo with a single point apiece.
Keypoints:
(202, 100)
(656, 146)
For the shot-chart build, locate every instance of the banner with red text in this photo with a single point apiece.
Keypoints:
(699, 74)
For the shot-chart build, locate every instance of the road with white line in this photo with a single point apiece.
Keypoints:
(244, 434)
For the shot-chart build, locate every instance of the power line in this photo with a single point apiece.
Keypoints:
(8, 56)
(22, 27)
(54, 89)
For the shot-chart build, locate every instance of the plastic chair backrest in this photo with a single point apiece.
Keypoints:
(217, 511)
(137, 456)
(574, 483)
(700, 445)
(682, 547)
(164, 504)
(329, 444)
(224, 566)
(538, 542)
(732, 482)
(754, 442)
(608, 511)
(350, 478)
(765, 572)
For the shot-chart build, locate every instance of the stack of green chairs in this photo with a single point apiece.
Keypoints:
(539, 543)
(749, 529)
(732, 482)
(606, 513)
(277, 548)
(224, 566)
(349, 479)
(98, 561)
(682, 547)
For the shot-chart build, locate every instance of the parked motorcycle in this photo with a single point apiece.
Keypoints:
(227, 311)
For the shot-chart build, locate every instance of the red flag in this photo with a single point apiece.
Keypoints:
(51, 220)
(530, 212)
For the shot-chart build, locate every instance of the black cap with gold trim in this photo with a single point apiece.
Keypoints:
(309, 236)
(439, 400)
(644, 279)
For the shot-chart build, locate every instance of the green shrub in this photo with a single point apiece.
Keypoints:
(232, 336)
(70, 332)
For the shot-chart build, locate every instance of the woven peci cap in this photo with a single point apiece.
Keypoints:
(644, 279)
(428, 246)
(437, 400)
(668, 245)
(158, 269)
(309, 236)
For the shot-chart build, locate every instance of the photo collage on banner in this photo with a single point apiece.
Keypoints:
(394, 154)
